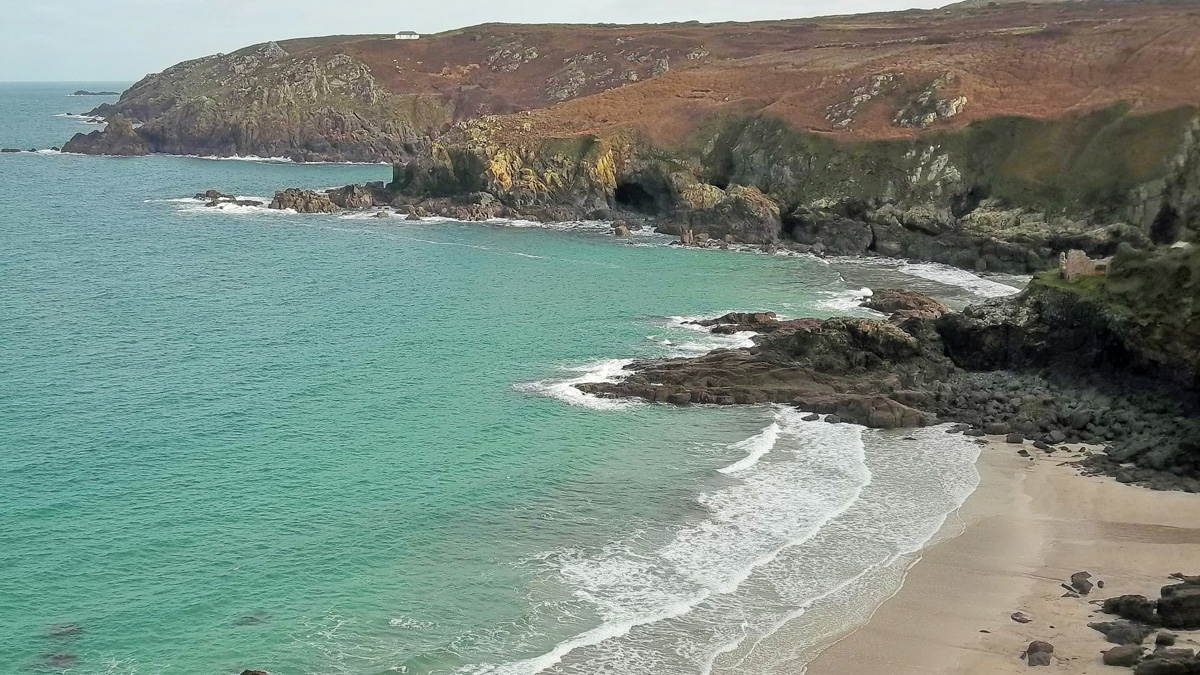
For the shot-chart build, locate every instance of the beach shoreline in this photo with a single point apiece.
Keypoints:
(1030, 525)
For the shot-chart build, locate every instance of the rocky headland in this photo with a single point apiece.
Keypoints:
(1112, 361)
(987, 137)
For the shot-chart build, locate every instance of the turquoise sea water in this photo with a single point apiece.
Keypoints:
(235, 438)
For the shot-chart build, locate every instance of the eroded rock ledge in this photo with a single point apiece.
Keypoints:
(1059, 363)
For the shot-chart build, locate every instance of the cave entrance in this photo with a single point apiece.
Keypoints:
(637, 197)
(1167, 226)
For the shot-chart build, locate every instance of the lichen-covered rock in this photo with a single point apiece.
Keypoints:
(900, 304)
(352, 197)
(303, 201)
(742, 213)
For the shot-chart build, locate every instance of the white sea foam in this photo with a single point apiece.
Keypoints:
(942, 274)
(817, 536)
(703, 340)
(953, 276)
(756, 446)
(609, 370)
(641, 592)
(86, 119)
(193, 205)
(277, 160)
(845, 301)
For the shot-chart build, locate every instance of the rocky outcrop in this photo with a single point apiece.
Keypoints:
(303, 201)
(740, 213)
(1040, 367)
(353, 197)
(967, 198)
(820, 142)
(265, 101)
(1179, 606)
(900, 304)
(1144, 316)
(860, 370)
(118, 138)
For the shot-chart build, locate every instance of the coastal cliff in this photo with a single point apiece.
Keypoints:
(990, 138)
(1003, 194)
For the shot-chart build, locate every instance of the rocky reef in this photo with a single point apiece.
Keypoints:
(1059, 363)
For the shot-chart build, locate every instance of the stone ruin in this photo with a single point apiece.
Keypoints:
(1075, 264)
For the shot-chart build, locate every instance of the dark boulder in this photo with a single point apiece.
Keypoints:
(1179, 607)
(1132, 607)
(1124, 655)
(1162, 666)
(352, 197)
(119, 138)
(900, 304)
(1122, 632)
(1081, 582)
(303, 201)
(1039, 653)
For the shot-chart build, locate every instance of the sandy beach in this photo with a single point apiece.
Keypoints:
(1030, 525)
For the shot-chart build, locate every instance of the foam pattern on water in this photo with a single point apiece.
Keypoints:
(814, 516)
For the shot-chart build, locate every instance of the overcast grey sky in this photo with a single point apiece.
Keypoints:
(119, 40)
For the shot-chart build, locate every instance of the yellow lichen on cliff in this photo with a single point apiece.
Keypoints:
(700, 195)
(604, 171)
(503, 164)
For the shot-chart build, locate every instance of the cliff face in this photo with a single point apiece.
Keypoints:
(1003, 194)
(1142, 319)
(990, 137)
(851, 77)
(267, 102)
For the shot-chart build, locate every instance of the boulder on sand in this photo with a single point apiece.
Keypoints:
(1124, 655)
(1122, 632)
(1081, 582)
(1132, 607)
(1179, 606)
(1039, 653)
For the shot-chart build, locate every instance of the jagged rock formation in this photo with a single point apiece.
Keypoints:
(1006, 194)
(117, 138)
(1058, 363)
(1143, 317)
(303, 201)
(861, 370)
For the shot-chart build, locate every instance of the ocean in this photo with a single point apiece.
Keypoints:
(236, 438)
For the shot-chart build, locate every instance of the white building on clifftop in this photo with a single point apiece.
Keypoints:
(408, 35)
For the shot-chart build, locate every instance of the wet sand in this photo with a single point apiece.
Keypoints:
(1029, 526)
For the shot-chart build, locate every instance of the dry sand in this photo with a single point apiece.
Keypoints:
(1029, 526)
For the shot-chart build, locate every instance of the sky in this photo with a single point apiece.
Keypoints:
(122, 40)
